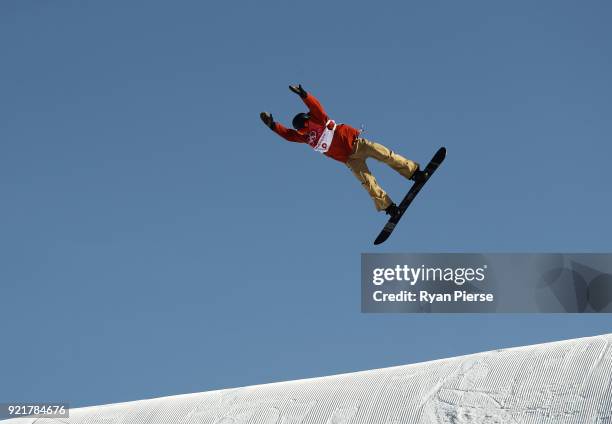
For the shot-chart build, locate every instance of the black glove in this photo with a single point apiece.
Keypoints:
(297, 89)
(267, 119)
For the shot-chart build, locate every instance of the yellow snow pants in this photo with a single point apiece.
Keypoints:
(364, 149)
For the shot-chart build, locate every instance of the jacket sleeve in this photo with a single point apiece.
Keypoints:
(288, 133)
(316, 110)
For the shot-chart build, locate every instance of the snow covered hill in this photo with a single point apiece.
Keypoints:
(562, 382)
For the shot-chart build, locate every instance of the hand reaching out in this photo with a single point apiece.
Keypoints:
(297, 89)
(267, 119)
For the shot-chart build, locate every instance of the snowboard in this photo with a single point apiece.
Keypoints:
(431, 167)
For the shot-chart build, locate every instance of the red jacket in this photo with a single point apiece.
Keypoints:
(344, 136)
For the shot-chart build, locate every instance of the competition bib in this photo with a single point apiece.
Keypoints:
(320, 137)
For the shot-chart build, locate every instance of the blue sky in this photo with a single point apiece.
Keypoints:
(158, 239)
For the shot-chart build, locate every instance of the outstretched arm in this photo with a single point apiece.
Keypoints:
(316, 110)
(286, 133)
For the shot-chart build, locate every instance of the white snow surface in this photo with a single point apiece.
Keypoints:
(561, 382)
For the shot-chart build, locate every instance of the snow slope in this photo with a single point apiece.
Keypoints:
(562, 382)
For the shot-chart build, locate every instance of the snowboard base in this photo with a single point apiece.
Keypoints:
(431, 167)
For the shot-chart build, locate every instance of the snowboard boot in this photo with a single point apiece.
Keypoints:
(419, 176)
(392, 209)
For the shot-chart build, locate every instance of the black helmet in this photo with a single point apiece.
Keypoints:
(299, 120)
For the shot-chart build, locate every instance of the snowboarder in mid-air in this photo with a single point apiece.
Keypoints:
(345, 144)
